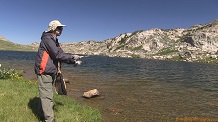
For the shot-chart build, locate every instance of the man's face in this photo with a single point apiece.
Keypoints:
(59, 30)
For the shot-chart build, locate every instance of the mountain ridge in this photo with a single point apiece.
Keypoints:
(198, 43)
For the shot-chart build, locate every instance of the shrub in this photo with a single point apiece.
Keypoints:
(166, 51)
(123, 40)
(137, 48)
(135, 56)
(6, 73)
(119, 47)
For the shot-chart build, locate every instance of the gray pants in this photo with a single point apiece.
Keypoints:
(45, 86)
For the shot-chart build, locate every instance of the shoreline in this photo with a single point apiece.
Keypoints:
(122, 97)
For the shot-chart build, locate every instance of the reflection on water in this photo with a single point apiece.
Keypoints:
(138, 89)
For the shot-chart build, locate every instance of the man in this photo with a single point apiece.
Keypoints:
(46, 64)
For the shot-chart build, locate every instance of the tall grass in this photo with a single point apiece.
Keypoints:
(19, 99)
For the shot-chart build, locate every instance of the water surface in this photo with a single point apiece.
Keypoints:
(136, 89)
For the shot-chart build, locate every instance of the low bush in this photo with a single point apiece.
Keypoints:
(6, 73)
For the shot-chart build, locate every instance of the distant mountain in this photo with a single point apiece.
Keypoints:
(198, 43)
(7, 45)
(3, 38)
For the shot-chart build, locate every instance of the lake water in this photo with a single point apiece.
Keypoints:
(136, 89)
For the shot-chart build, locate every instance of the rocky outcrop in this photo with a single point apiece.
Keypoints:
(197, 43)
(3, 38)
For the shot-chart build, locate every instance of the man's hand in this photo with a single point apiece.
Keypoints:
(76, 57)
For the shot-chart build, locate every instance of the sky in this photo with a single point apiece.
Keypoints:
(23, 21)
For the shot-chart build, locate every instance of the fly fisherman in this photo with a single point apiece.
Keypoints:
(46, 64)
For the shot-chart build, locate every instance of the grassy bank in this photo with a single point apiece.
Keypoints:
(19, 99)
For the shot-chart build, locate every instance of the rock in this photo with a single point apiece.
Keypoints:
(91, 93)
(3, 38)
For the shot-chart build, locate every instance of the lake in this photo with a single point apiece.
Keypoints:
(139, 90)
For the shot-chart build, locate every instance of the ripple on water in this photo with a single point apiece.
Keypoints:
(137, 89)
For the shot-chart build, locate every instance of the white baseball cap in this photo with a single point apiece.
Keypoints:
(53, 25)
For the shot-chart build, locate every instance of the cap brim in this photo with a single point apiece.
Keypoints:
(62, 25)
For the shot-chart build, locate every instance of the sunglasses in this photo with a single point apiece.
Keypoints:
(60, 28)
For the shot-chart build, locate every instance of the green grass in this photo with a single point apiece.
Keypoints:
(166, 51)
(137, 48)
(135, 56)
(177, 58)
(209, 60)
(6, 73)
(6, 45)
(119, 47)
(19, 99)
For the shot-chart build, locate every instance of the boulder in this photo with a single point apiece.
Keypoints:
(91, 93)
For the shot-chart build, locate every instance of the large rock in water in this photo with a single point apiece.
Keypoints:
(91, 93)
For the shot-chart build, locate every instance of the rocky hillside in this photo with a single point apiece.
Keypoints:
(3, 39)
(197, 43)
